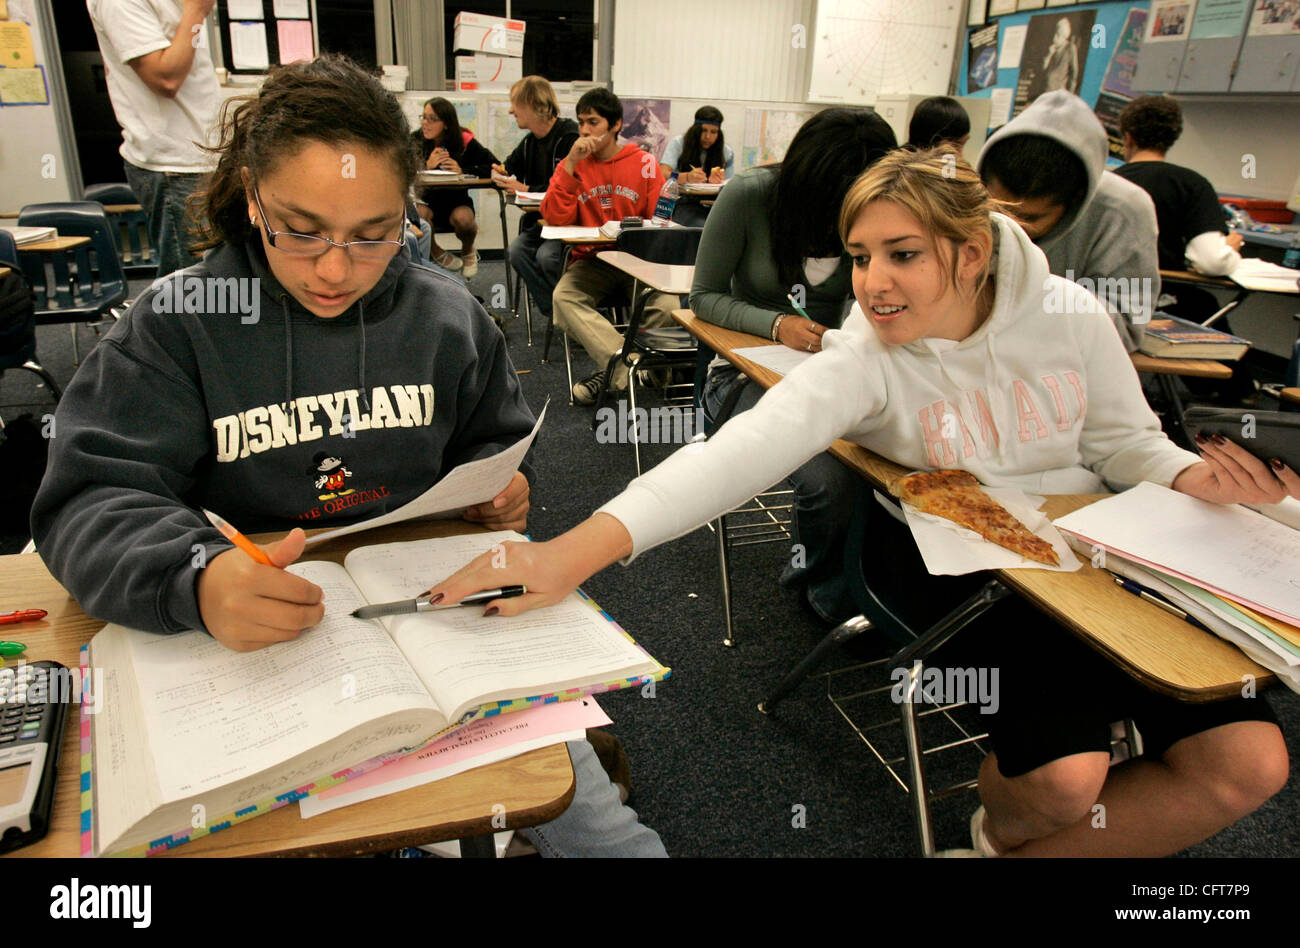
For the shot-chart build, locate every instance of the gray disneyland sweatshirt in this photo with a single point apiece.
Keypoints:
(1109, 243)
(230, 395)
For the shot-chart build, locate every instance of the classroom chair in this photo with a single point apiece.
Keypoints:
(18, 342)
(81, 284)
(660, 349)
(130, 228)
(917, 630)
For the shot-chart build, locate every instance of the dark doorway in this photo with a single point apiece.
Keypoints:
(98, 136)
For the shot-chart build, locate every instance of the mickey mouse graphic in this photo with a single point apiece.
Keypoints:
(333, 475)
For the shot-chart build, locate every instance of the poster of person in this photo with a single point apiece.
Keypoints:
(1056, 51)
(982, 61)
(1171, 20)
(1275, 17)
(645, 123)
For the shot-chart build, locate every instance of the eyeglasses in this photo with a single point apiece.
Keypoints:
(304, 245)
(429, 118)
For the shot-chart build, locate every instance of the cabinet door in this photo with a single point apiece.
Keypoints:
(1207, 65)
(1267, 64)
(1158, 66)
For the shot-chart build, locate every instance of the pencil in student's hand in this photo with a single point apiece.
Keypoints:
(237, 538)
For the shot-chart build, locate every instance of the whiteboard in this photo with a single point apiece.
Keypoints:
(865, 48)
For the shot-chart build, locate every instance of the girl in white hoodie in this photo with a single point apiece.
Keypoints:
(963, 351)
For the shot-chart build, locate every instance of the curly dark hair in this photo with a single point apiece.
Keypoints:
(1154, 121)
(331, 100)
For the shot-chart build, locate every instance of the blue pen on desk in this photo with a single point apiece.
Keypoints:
(1141, 591)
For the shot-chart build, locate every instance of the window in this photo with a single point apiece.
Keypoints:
(347, 26)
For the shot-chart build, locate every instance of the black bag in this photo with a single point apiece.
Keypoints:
(17, 315)
(23, 453)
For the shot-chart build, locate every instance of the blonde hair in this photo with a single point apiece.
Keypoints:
(536, 94)
(938, 188)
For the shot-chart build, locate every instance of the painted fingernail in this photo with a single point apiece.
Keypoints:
(491, 611)
(1276, 463)
(1201, 438)
(1219, 439)
(432, 600)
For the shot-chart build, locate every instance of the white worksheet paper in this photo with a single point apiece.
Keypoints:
(781, 359)
(248, 46)
(473, 482)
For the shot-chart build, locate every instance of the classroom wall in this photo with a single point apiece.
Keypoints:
(28, 133)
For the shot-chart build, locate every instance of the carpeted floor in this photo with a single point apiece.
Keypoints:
(710, 773)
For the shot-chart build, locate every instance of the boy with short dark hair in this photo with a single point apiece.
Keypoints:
(1095, 228)
(598, 181)
(1193, 229)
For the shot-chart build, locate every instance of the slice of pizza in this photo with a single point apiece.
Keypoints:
(957, 496)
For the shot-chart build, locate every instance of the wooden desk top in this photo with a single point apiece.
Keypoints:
(664, 277)
(121, 208)
(534, 788)
(1164, 653)
(1291, 396)
(52, 246)
(426, 180)
(1194, 368)
(1191, 276)
(4, 272)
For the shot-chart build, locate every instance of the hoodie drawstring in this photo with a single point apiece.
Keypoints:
(361, 368)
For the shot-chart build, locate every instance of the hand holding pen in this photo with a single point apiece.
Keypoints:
(247, 600)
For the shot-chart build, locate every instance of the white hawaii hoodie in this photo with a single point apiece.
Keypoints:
(1042, 397)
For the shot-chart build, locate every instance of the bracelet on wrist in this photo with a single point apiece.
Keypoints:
(776, 328)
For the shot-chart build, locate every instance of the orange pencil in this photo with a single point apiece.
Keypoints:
(237, 538)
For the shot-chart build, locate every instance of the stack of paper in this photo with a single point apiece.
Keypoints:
(1256, 274)
(1229, 567)
(29, 235)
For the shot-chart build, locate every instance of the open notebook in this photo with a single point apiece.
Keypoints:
(193, 736)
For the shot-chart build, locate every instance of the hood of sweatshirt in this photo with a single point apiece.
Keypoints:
(1067, 119)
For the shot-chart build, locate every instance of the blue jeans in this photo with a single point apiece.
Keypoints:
(824, 493)
(596, 823)
(538, 263)
(162, 195)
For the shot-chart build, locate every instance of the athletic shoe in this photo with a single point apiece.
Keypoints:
(470, 261)
(586, 391)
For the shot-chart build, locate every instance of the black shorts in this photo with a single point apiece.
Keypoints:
(442, 201)
(1055, 696)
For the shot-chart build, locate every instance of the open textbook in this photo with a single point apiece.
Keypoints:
(187, 726)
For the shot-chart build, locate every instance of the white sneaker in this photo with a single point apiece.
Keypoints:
(470, 262)
(448, 261)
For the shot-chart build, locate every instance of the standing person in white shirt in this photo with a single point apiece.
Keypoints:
(164, 93)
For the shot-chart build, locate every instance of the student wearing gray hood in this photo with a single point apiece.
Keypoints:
(1049, 165)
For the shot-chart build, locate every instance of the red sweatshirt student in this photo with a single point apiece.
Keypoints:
(598, 181)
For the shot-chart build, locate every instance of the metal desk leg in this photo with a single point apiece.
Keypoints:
(505, 253)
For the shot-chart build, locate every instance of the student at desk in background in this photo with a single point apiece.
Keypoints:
(700, 156)
(937, 120)
(1049, 165)
(771, 235)
(529, 167)
(445, 146)
(954, 317)
(353, 382)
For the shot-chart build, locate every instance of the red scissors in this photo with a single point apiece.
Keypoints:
(22, 615)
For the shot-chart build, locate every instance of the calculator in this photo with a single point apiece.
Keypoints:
(34, 703)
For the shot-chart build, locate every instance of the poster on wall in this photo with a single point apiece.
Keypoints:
(1056, 52)
(1117, 84)
(1275, 18)
(1001, 7)
(983, 58)
(1171, 20)
(645, 123)
(1222, 19)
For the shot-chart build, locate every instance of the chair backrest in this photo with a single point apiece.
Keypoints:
(83, 280)
(668, 245)
(117, 192)
(130, 228)
(8, 249)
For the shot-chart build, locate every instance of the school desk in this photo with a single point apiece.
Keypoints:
(54, 245)
(463, 181)
(534, 788)
(1160, 651)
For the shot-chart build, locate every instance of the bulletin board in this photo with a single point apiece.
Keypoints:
(257, 34)
(1107, 37)
(22, 78)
